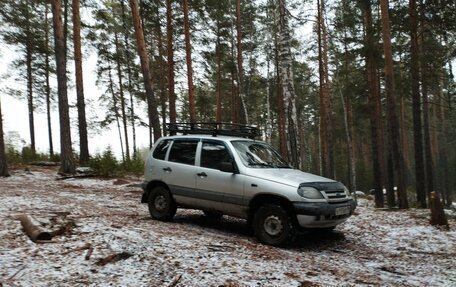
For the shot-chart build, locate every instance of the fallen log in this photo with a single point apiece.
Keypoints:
(33, 231)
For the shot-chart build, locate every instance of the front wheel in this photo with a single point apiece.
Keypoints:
(273, 225)
(161, 204)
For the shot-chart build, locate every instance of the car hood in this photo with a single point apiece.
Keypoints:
(286, 176)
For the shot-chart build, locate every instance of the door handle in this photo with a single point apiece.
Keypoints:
(202, 174)
(167, 169)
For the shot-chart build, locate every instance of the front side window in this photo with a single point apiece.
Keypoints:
(259, 154)
(213, 153)
(161, 149)
(183, 151)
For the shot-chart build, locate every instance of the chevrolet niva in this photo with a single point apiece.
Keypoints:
(221, 169)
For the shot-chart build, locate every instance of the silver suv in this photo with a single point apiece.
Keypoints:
(221, 169)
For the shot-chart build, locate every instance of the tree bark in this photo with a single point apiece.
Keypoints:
(286, 75)
(66, 151)
(188, 52)
(29, 50)
(170, 50)
(326, 142)
(377, 140)
(4, 172)
(142, 51)
(416, 103)
(83, 142)
(122, 96)
(394, 134)
(240, 69)
(48, 84)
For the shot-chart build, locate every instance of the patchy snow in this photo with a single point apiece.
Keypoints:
(373, 248)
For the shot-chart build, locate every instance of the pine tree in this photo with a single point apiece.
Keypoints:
(66, 151)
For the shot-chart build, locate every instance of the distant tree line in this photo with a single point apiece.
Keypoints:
(368, 99)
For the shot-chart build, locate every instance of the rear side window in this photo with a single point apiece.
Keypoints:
(161, 149)
(183, 151)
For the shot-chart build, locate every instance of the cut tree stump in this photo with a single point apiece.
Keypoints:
(32, 230)
(438, 216)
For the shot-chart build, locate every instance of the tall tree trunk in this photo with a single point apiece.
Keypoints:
(289, 96)
(4, 172)
(116, 112)
(142, 51)
(122, 97)
(161, 66)
(29, 50)
(416, 103)
(429, 162)
(394, 134)
(170, 49)
(327, 160)
(375, 107)
(48, 84)
(240, 69)
(188, 52)
(83, 143)
(128, 55)
(66, 151)
(280, 104)
(218, 55)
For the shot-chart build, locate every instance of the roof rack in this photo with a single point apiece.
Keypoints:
(213, 128)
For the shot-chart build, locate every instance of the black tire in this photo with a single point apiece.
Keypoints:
(273, 225)
(212, 215)
(161, 204)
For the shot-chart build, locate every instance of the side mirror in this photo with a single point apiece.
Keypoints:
(227, 166)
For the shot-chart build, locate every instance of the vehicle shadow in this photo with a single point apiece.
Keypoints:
(226, 224)
(305, 239)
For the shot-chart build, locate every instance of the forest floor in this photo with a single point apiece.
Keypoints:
(107, 238)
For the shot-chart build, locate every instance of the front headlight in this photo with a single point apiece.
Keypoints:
(309, 192)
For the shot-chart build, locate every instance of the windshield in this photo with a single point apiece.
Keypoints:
(259, 154)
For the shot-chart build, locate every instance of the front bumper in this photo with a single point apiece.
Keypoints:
(323, 214)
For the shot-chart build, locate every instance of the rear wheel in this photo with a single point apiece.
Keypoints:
(273, 225)
(161, 204)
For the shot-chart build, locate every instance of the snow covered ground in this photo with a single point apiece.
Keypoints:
(110, 240)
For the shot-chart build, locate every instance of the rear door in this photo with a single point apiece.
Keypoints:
(179, 170)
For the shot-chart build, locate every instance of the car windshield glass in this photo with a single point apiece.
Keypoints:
(259, 155)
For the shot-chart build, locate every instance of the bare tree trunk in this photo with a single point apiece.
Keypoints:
(377, 140)
(83, 142)
(47, 84)
(122, 98)
(394, 134)
(240, 69)
(429, 162)
(188, 52)
(218, 112)
(3, 164)
(416, 101)
(130, 85)
(280, 104)
(66, 151)
(286, 72)
(325, 110)
(142, 51)
(170, 49)
(116, 112)
(28, 61)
